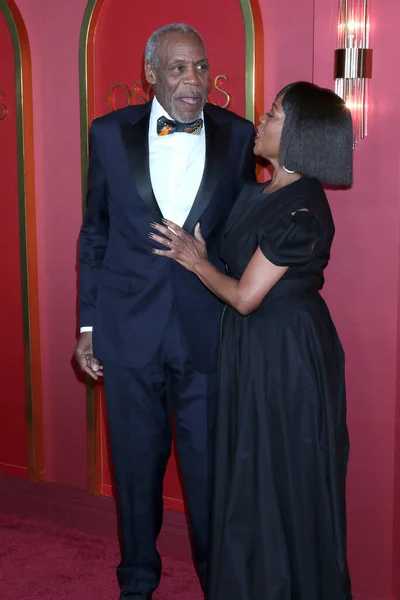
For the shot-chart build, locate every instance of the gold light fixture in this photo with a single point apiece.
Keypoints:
(353, 62)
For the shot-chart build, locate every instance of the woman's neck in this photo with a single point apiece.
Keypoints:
(281, 178)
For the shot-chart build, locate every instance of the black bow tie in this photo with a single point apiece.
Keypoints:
(166, 126)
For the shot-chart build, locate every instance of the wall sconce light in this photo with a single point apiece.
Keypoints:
(353, 62)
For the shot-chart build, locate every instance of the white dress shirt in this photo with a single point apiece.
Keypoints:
(176, 163)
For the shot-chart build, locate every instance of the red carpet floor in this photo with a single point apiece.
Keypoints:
(61, 544)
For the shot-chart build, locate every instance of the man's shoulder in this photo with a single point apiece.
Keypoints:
(128, 114)
(226, 116)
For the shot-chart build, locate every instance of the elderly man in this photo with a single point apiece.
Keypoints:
(151, 323)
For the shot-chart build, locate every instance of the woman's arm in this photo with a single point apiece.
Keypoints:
(247, 293)
(244, 295)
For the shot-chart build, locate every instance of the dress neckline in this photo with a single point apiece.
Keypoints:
(264, 185)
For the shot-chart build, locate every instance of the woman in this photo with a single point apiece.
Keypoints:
(278, 523)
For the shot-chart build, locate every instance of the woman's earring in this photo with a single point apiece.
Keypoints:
(287, 170)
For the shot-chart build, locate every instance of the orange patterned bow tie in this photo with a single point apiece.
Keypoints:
(165, 126)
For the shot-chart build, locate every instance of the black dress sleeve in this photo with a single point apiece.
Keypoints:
(292, 241)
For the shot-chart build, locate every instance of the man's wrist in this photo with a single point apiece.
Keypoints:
(86, 328)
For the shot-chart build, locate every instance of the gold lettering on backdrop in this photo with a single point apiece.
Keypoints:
(114, 100)
(3, 108)
(139, 93)
(137, 88)
(111, 101)
(221, 91)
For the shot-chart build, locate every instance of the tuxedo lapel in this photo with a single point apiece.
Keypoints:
(135, 137)
(217, 141)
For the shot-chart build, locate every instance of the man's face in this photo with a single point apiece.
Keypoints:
(182, 79)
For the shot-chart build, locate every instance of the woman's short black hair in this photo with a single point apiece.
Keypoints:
(317, 134)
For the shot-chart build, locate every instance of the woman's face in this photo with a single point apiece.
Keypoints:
(269, 130)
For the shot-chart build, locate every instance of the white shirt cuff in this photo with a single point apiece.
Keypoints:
(83, 329)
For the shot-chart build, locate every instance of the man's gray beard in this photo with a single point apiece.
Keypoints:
(176, 117)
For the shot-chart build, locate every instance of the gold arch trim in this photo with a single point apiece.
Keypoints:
(28, 241)
(254, 67)
(254, 86)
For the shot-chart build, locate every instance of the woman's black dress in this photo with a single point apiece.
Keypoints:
(278, 516)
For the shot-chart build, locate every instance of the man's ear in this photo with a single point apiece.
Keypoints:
(149, 72)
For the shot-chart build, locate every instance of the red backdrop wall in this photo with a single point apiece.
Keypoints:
(13, 430)
(123, 30)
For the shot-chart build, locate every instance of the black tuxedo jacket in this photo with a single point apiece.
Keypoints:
(126, 292)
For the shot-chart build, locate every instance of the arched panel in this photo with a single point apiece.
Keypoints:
(21, 433)
(113, 37)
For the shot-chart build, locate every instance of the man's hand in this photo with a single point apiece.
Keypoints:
(85, 358)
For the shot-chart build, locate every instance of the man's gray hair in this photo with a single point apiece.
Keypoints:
(153, 43)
